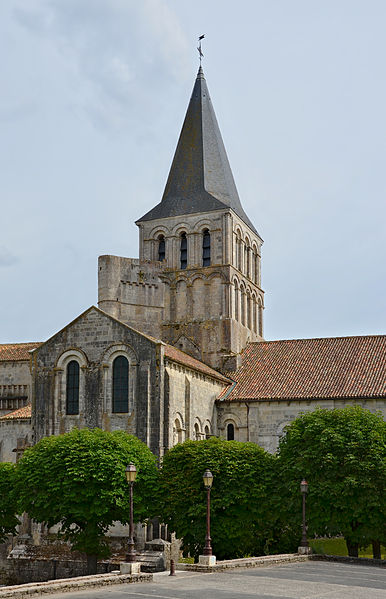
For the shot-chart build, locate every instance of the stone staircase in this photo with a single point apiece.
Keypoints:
(155, 557)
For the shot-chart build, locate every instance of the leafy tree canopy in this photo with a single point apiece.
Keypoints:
(8, 508)
(342, 454)
(78, 480)
(239, 498)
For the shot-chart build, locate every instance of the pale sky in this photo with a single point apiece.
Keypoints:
(93, 96)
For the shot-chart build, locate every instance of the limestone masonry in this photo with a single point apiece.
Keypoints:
(175, 349)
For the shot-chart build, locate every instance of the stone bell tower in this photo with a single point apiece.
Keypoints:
(197, 283)
(207, 248)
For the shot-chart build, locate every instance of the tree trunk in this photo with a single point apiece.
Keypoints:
(352, 548)
(376, 549)
(91, 564)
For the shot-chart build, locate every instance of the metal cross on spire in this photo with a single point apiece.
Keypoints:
(199, 47)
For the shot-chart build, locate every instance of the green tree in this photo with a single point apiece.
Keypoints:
(240, 512)
(8, 519)
(78, 480)
(342, 454)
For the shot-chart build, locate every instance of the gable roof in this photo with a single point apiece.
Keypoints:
(16, 352)
(334, 367)
(19, 414)
(200, 178)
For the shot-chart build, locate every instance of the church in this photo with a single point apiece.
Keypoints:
(175, 349)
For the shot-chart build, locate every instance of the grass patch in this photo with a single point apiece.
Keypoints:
(337, 546)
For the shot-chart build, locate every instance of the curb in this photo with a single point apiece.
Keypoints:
(72, 584)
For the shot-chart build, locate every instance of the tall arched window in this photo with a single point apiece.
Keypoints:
(72, 388)
(230, 432)
(121, 384)
(184, 251)
(161, 248)
(206, 248)
(207, 432)
(197, 433)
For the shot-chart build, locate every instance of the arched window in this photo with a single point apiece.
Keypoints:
(230, 432)
(161, 248)
(207, 432)
(121, 384)
(197, 434)
(206, 248)
(184, 251)
(72, 389)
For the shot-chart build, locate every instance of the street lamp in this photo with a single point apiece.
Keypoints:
(304, 546)
(208, 480)
(131, 474)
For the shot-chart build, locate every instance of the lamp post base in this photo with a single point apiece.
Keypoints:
(207, 560)
(130, 567)
(304, 550)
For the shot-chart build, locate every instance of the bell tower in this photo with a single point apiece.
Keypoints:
(204, 247)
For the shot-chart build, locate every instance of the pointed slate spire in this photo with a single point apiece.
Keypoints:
(200, 178)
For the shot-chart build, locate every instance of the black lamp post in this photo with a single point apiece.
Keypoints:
(208, 480)
(131, 473)
(304, 491)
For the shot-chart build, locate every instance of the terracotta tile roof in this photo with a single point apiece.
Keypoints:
(16, 351)
(337, 367)
(24, 412)
(182, 358)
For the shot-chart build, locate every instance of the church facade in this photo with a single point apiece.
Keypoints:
(175, 349)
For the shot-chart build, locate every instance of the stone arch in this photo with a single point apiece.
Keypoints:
(60, 386)
(197, 428)
(179, 228)
(178, 429)
(159, 230)
(204, 223)
(207, 429)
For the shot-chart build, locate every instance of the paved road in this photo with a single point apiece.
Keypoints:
(307, 580)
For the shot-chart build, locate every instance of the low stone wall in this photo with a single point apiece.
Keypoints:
(361, 561)
(23, 570)
(246, 562)
(72, 584)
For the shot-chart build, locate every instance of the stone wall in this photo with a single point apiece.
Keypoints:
(132, 292)
(15, 385)
(263, 422)
(190, 397)
(94, 340)
(15, 436)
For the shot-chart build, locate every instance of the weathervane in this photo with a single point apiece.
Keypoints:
(199, 47)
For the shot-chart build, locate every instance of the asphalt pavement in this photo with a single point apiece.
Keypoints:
(305, 580)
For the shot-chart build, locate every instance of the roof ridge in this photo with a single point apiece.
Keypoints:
(380, 335)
